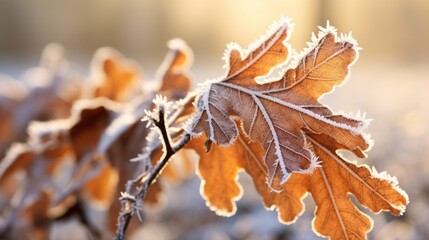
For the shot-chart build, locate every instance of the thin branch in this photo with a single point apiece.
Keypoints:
(132, 203)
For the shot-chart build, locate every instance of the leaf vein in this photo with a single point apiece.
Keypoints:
(260, 54)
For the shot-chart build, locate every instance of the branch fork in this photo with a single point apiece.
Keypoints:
(132, 204)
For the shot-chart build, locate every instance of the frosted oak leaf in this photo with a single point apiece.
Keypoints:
(276, 113)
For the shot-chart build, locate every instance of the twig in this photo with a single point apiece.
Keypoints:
(132, 203)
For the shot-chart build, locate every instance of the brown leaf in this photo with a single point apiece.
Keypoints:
(113, 76)
(174, 71)
(218, 170)
(39, 168)
(276, 113)
(286, 132)
(36, 215)
(94, 118)
(12, 93)
(330, 186)
(100, 190)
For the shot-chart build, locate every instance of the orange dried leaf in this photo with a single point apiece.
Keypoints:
(336, 215)
(100, 190)
(285, 132)
(218, 170)
(114, 76)
(174, 71)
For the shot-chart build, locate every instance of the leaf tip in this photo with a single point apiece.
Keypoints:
(222, 206)
(327, 30)
(369, 141)
(178, 44)
(283, 26)
(400, 205)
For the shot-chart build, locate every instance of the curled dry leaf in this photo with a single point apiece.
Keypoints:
(264, 107)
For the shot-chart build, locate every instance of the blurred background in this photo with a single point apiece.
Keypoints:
(389, 82)
(391, 32)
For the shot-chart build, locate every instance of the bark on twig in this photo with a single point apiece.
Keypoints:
(132, 204)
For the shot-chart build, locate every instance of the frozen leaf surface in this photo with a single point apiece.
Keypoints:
(278, 132)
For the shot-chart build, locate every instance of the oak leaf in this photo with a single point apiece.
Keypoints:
(113, 76)
(173, 74)
(218, 170)
(284, 130)
(276, 113)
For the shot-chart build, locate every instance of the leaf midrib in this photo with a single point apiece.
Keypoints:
(298, 108)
